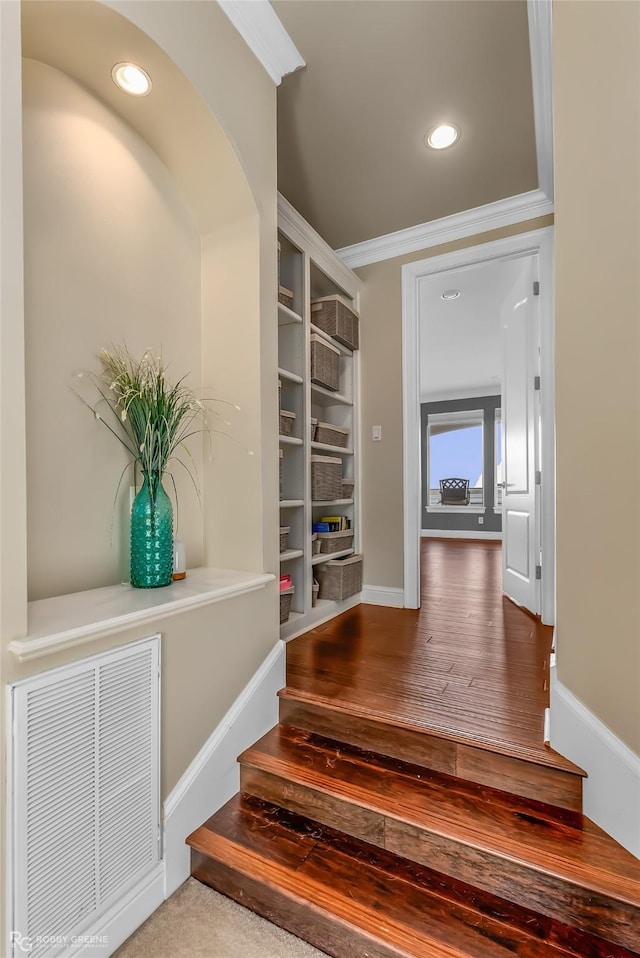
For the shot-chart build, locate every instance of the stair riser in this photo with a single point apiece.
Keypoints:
(517, 883)
(308, 922)
(527, 779)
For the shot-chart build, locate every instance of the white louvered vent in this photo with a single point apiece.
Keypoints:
(85, 791)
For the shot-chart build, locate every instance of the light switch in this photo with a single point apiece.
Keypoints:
(376, 433)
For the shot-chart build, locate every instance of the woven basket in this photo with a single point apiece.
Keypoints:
(287, 419)
(332, 435)
(315, 589)
(326, 478)
(335, 541)
(315, 544)
(347, 488)
(314, 426)
(285, 603)
(325, 364)
(335, 316)
(284, 537)
(340, 578)
(285, 296)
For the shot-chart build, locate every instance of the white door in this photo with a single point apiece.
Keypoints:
(521, 363)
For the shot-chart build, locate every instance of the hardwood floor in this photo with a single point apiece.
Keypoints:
(469, 662)
(406, 805)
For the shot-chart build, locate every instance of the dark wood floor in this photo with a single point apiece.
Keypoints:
(468, 663)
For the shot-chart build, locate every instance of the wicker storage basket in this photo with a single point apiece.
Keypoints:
(285, 296)
(340, 578)
(314, 426)
(335, 316)
(285, 603)
(332, 435)
(315, 544)
(281, 470)
(347, 488)
(287, 419)
(326, 478)
(335, 541)
(325, 364)
(284, 537)
(315, 588)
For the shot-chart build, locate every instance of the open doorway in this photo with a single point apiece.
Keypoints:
(478, 389)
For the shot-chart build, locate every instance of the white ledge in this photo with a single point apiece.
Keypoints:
(68, 620)
(473, 510)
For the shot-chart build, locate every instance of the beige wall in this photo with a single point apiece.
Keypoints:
(111, 256)
(597, 142)
(209, 654)
(381, 378)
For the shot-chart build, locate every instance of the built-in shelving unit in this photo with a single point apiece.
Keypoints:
(310, 270)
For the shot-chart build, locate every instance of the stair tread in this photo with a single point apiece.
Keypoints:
(409, 909)
(565, 845)
(538, 754)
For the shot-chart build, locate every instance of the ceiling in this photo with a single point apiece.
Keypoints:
(379, 74)
(460, 339)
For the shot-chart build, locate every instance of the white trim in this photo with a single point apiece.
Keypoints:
(536, 241)
(541, 50)
(69, 620)
(304, 235)
(383, 595)
(611, 796)
(213, 775)
(264, 34)
(507, 212)
(460, 534)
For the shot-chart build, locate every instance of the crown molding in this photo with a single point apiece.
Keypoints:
(264, 34)
(482, 219)
(541, 50)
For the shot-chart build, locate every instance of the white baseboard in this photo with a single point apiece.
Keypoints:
(382, 595)
(611, 796)
(460, 534)
(213, 776)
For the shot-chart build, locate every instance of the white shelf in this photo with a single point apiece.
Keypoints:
(324, 397)
(289, 441)
(68, 620)
(331, 502)
(287, 317)
(340, 450)
(291, 554)
(334, 342)
(311, 269)
(324, 557)
(292, 377)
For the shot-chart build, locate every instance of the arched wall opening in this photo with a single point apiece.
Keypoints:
(140, 227)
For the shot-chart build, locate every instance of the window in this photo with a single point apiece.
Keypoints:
(455, 448)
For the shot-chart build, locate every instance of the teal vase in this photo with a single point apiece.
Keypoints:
(151, 535)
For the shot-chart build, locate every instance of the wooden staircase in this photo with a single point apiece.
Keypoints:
(365, 854)
(405, 806)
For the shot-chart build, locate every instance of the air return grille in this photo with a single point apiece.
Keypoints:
(85, 794)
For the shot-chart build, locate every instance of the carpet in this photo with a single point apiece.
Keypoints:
(197, 922)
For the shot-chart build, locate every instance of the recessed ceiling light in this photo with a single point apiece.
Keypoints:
(442, 136)
(450, 294)
(131, 78)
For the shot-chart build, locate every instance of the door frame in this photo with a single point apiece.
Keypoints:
(539, 241)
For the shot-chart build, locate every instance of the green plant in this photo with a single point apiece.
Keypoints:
(149, 416)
